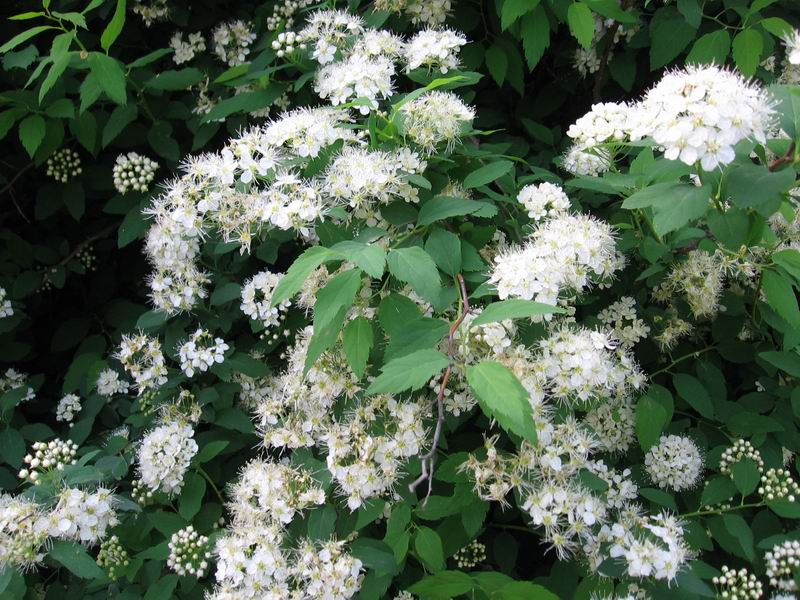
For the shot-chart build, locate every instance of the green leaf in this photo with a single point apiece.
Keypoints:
(789, 260)
(194, 488)
(659, 497)
(651, 418)
(58, 67)
(416, 267)
(612, 10)
(535, 32)
(114, 27)
(428, 546)
(717, 489)
(370, 258)
(514, 308)
(525, 590)
(75, 558)
(780, 296)
(61, 109)
(669, 34)
(109, 74)
(738, 528)
(12, 446)
(408, 372)
(252, 367)
(396, 311)
(210, 451)
(581, 23)
(497, 63)
(89, 91)
(778, 27)
(514, 9)
(443, 207)
(445, 249)
(746, 476)
(338, 293)
(375, 555)
(31, 132)
(503, 398)
(182, 79)
(245, 102)
(488, 173)
(747, 48)
(418, 334)
(321, 523)
(22, 37)
(690, 389)
(753, 186)
(730, 227)
(685, 205)
(357, 342)
(786, 361)
(711, 48)
(442, 586)
(162, 589)
(301, 268)
(160, 137)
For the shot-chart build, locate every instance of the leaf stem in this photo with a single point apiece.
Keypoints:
(694, 354)
(211, 483)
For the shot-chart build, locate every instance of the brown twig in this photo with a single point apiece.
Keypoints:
(782, 160)
(92, 238)
(428, 460)
(19, 174)
(600, 78)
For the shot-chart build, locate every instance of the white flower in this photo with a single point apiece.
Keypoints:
(189, 552)
(164, 456)
(606, 121)
(6, 310)
(23, 532)
(356, 77)
(257, 296)
(109, 383)
(306, 131)
(201, 351)
(792, 43)
(142, 358)
(13, 379)
(434, 49)
(64, 164)
(232, 42)
(184, 51)
(543, 200)
(621, 318)
(783, 562)
(81, 516)
(68, 407)
(436, 117)
(674, 463)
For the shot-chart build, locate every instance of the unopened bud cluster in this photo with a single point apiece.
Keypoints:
(112, 556)
(55, 454)
(284, 13)
(470, 556)
(777, 484)
(189, 552)
(64, 165)
(133, 171)
(737, 585)
(741, 449)
(286, 43)
(783, 562)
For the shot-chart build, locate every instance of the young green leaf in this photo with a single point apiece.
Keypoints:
(409, 372)
(357, 341)
(114, 27)
(581, 23)
(515, 308)
(488, 173)
(109, 74)
(416, 267)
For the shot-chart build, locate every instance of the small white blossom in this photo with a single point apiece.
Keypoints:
(674, 463)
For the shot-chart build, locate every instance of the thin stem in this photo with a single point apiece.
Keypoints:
(694, 354)
(212, 484)
(428, 460)
(720, 511)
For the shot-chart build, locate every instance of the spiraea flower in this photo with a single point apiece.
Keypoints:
(621, 318)
(741, 450)
(792, 43)
(6, 310)
(23, 532)
(675, 463)
(700, 113)
(12, 380)
(740, 584)
(614, 424)
(306, 131)
(141, 356)
(164, 456)
(82, 516)
(201, 351)
(436, 118)
(434, 49)
(249, 561)
(110, 384)
(272, 493)
(330, 31)
(783, 563)
(151, 11)
(582, 160)
(543, 200)
(257, 297)
(185, 50)
(232, 41)
(605, 122)
(113, 557)
(421, 12)
(132, 171)
(326, 570)
(699, 279)
(357, 77)
(778, 484)
(67, 408)
(64, 165)
(189, 552)
(565, 253)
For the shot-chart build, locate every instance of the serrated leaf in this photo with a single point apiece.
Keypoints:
(651, 418)
(535, 32)
(114, 27)
(445, 249)
(780, 296)
(428, 546)
(685, 205)
(301, 268)
(581, 23)
(497, 63)
(178, 80)
(747, 48)
(443, 585)
(357, 341)
(192, 492)
(514, 308)
(370, 258)
(416, 267)
(22, 37)
(109, 74)
(514, 9)
(409, 372)
(75, 558)
(443, 207)
(503, 398)
(691, 389)
(31, 133)
(746, 476)
(711, 48)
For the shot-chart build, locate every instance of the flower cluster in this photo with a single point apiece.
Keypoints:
(67, 408)
(142, 358)
(12, 380)
(6, 310)
(621, 318)
(257, 296)
(740, 585)
(48, 456)
(201, 351)
(185, 50)
(82, 516)
(232, 42)
(23, 532)
(113, 557)
(674, 463)
(778, 484)
(436, 118)
(470, 556)
(189, 552)
(565, 253)
(64, 165)
(110, 384)
(164, 456)
(543, 200)
(699, 279)
(133, 171)
(421, 12)
(783, 563)
(434, 49)
(741, 450)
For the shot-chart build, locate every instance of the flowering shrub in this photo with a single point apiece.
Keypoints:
(403, 338)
